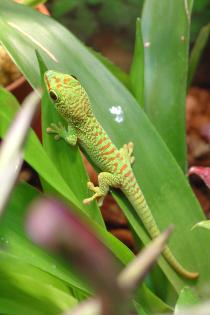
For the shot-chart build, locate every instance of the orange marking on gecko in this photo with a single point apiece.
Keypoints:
(119, 156)
(109, 152)
(115, 166)
(101, 140)
(106, 146)
(66, 80)
(57, 80)
(112, 158)
(123, 168)
(128, 174)
(48, 83)
(58, 86)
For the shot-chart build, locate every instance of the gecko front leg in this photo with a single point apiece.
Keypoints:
(105, 180)
(60, 131)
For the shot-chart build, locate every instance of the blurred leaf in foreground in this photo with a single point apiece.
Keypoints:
(11, 151)
(187, 298)
(56, 227)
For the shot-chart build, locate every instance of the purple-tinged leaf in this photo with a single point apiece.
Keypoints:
(202, 172)
(53, 226)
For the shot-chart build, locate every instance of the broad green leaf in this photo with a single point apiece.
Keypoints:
(137, 67)
(165, 28)
(203, 224)
(140, 310)
(114, 69)
(13, 236)
(30, 289)
(31, 254)
(187, 298)
(163, 183)
(197, 51)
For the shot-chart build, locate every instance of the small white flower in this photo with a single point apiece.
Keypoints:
(117, 111)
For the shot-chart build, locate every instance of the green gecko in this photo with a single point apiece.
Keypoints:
(72, 102)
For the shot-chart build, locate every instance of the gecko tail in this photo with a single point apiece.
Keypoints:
(140, 205)
(177, 266)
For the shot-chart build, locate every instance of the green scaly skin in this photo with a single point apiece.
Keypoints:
(72, 103)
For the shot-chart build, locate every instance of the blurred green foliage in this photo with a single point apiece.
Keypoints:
(87, 17)
(200, 16)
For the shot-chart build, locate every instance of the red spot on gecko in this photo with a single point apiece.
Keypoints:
(115, 166)
(128, 174)
(48, 83)
(101, 140)
(67, 80)
(57, 80)
(106, 146)
(109, 152)
(123, 168)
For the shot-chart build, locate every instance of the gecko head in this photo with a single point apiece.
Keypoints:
(68, 95)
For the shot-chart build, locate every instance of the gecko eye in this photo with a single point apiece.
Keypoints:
(53, 96)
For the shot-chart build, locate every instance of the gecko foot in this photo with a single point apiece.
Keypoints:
(127, 150)
(130, 147)
(58, 129)
(99, 196)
